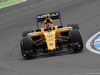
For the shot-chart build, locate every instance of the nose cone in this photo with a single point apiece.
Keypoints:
(50, 40)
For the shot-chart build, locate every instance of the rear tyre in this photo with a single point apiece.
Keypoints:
(27, 47)
(76, 38)
(38, 30)
(26, 32)
(60, 26)
(75, 26)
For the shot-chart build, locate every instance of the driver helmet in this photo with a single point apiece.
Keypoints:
(48, 26)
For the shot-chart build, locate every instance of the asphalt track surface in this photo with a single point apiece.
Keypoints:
(21, 17)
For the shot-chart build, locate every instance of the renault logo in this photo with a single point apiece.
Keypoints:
(51, 44)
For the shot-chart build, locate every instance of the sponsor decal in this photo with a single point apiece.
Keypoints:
(50, 36)
(50, 39)
(51, 44)
(46, 15)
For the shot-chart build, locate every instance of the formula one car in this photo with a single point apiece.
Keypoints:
(50, 38)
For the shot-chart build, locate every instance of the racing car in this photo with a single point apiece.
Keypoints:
(50, 39)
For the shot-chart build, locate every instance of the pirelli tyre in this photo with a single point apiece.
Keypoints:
(26, 32)
(27, 47)
(75, 26)
(76, 40)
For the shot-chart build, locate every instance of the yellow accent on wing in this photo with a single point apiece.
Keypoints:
(46, 15)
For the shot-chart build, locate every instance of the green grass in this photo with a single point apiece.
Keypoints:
(9, 2)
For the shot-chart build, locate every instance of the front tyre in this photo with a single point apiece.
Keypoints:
(76, 39)
(24, 34)
(27, 47)
(75, 26)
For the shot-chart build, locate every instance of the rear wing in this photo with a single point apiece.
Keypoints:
(53, 16)
(42, 17)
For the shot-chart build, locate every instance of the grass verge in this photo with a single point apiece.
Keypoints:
(9, 2)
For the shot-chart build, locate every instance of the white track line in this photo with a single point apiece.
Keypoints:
(97, 41)
(88, 44)
(13, 4)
